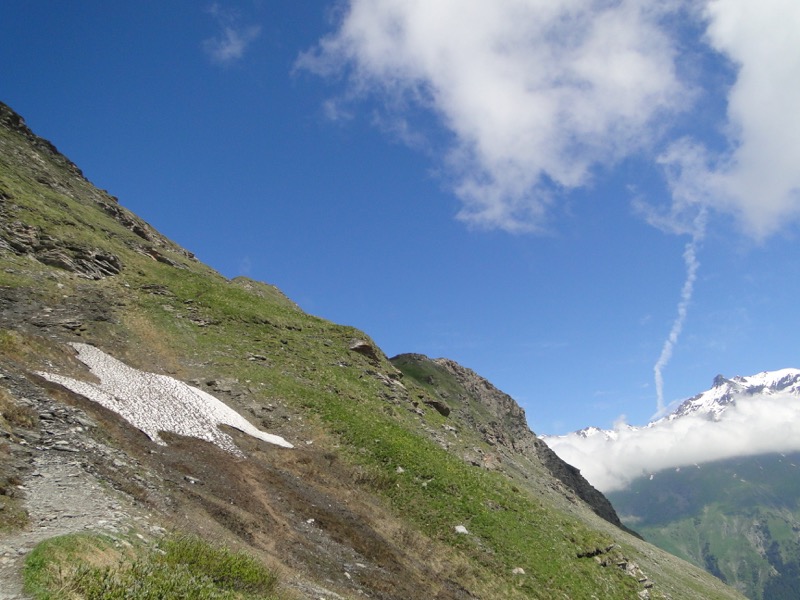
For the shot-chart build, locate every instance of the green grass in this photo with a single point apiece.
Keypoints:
(437, 490)
(97, 568)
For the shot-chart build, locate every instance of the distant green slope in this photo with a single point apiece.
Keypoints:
(739, 519)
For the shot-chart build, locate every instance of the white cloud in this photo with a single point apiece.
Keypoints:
(755, 425)
(230, 44)
(536, 94)
(757, 178)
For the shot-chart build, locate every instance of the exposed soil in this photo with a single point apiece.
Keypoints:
(83, 468)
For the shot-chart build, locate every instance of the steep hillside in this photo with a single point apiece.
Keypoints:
(495, 432)
(395, 487)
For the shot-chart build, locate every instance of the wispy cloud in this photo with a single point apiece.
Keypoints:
(535, 94)
(539, 95)
(755, 425)
(245, 266)
(233, 38)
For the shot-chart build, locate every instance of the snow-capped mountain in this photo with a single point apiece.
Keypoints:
(711, 403)
(592, 432)
(740, 416)
(716, 478)
(724, 392)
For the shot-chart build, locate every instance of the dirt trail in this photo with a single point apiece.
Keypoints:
(56, 461)
(61, 498)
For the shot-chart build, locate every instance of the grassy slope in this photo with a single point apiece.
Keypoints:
(194, 324)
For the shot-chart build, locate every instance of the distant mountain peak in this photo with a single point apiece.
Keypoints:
(711, 403)
(724, 392)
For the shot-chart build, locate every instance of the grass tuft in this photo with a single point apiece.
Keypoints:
(92, 568)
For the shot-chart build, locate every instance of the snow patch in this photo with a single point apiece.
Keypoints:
(154, 403)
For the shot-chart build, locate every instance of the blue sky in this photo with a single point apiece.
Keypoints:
(509, 186)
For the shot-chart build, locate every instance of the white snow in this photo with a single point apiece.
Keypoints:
(154, 403)
(715, 401)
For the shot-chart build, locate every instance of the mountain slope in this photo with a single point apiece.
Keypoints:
(738, 518)
(504, 441)
(367, 502)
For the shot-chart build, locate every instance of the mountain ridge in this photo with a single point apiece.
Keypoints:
(723, 391)
(381, 494)
(711, 403)
(507, 429)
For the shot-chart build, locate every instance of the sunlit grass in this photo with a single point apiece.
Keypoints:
(97, 568)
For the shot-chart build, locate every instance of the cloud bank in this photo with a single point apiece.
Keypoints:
(538, 96)
(755, 425)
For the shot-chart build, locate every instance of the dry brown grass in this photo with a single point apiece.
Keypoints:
(14, 414)
(147, 347)
(36, 353)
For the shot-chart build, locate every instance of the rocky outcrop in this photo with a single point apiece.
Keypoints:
(90, 263)
(11, 120)
(508, 426)
(365, 348)
(612, 556)
(438, 405)
(501, 422)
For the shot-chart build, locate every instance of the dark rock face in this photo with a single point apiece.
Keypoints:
(572, 478)
(365, 348)
(510, 430)
(438, 405)
(25, 239)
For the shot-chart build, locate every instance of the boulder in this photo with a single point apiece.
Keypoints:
(365, 348)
